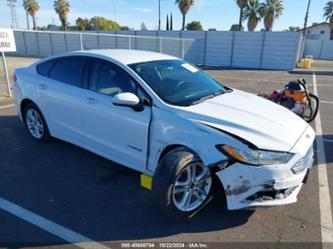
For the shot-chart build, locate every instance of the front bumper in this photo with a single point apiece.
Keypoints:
(266, 186)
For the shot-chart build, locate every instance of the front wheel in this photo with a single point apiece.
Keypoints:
(182, 183)
(312, 108)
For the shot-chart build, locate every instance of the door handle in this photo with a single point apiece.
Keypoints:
(91, 100)
(43, 87)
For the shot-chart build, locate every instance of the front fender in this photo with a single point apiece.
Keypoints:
(168, 129)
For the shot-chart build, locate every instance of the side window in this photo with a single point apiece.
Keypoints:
(109, 79)
(68, 70)
(44, 67)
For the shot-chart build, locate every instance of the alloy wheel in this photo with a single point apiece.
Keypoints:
(192, 187)
(34, 123)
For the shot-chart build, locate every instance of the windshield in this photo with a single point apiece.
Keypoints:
(177, 82)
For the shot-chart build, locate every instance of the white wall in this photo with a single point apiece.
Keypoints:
(322, 46)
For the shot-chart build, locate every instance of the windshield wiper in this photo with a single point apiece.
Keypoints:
(213, 95)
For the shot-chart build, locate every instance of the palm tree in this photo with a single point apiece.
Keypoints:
(167, 23)
(184, 7)
(252, 13)
(241, 4)
(31, 7)
(82, 23)
(272, 10)
(62, 9)
(328, 13)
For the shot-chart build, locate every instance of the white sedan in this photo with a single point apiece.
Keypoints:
(161, 116)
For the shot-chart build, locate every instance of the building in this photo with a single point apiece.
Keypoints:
(319, 41)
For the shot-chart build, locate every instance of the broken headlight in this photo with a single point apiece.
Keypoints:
(255, 156)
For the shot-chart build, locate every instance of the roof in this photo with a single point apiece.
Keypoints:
(127, 56)
(313, 26)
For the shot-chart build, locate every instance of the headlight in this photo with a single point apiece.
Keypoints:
(255, 157)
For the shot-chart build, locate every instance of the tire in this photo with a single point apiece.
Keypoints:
(174, 171)
(35, 123)
(314, 101)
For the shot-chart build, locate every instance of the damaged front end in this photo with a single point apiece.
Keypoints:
(249, 186)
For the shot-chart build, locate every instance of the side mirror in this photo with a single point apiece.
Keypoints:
(126, 99)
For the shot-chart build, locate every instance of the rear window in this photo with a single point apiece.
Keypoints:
(44, 68)
(68, 70)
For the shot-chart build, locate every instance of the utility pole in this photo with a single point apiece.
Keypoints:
(306, 17)
(115, 3)
(115, 12)
(304, 28)
(159, 15)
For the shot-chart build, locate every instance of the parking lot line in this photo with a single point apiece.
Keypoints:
(259, 80)
(328, 140)
(49, 226)
(324, 192)
(6, 106)
(326, 102)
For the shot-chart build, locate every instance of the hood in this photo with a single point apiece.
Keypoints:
(259, 121)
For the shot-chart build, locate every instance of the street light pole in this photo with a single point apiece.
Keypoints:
(159, 15)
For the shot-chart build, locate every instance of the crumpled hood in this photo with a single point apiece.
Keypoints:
(259, 121)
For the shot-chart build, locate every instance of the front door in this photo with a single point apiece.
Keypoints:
(116, 132)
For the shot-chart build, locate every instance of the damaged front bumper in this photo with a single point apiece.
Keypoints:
(249, 186)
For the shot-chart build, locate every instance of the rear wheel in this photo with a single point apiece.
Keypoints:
(35, 123)
(182, 183)
(312, 108)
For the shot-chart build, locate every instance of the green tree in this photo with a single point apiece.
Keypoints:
(235, 27)
(125, 28)
(102, 23)
(167, 23)
(31, 7)
(171, 22)
(82, 23)
(328, 13)
(293, 29)
(184, 7)
(51, 27)
(253, 13)
(241, 4)
(61, 7)
(43, 28)
(195, 25)
(272, 9)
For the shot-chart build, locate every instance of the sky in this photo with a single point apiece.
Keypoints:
(219, 14)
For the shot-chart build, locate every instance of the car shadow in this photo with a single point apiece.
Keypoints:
(88, 194)
(328, 144)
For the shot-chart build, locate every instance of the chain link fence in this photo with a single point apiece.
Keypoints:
(250, 50)
(45, 43)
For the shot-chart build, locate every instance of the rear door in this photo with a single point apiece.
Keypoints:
(61, 97)
(116, 132)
